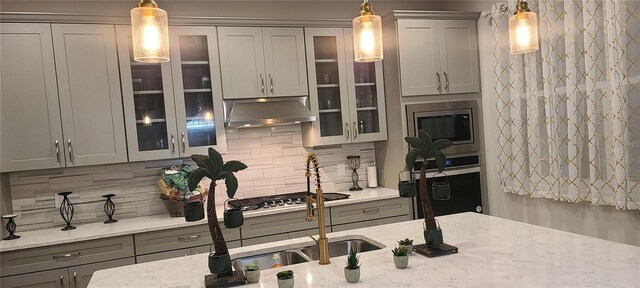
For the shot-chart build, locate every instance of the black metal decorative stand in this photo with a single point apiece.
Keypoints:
(11, 226)
(109, 208)
(66, 211)
(354, 164)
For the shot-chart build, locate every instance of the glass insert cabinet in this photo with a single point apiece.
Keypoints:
(346, 96)
(173, 109)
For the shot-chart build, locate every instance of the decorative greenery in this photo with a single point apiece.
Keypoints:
(251, 267)
(213, 167)
(353, 261)
(424, 147)
(406, 241)
(399, 251)
(286, 274)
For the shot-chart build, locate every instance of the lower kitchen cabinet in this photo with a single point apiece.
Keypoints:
(72, 277)
(365, 224)
(399, 208)
(181, 252)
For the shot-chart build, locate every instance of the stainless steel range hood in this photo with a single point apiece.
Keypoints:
(267, 112)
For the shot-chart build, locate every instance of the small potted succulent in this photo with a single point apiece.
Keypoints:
(285, 279)
(408, 244)
(400, 257)
(352, 270)
(252, 272)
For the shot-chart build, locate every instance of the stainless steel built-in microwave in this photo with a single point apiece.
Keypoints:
(446, 120)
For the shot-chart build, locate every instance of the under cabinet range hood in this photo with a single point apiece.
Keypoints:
(267, 112)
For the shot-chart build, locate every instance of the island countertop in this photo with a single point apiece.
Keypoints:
(493, 252)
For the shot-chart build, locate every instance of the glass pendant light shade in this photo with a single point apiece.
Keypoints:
(150, 33)
(367, 35)
(523, 30)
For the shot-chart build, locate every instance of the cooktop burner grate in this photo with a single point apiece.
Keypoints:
(264, 202)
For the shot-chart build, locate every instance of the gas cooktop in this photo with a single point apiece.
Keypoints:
(267, 202)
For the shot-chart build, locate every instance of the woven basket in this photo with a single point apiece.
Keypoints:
(174, 206)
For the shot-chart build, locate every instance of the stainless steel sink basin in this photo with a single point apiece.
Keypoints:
(341, 248)
(265, 261)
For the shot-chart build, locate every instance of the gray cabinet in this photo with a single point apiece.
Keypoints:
(438, 56)
(346, 97)
(47, 279)
(262, 62)
(367, 211)
(89, 92)
(79, 276)
(29, 98)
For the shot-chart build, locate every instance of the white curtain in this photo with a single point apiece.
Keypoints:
(569, 114)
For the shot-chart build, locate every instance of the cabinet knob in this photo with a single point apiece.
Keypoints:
(61, 281)
(439, 82)
(173, 143)
(446, 81)
(262, 84)
(355, 130)
(75, 280)
(347, 130)
(184, 144)
(57, 145)
(70, 149)
(271, 84)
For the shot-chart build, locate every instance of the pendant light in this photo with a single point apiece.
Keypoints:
(150, 33)
(523, 29)
(367, 35)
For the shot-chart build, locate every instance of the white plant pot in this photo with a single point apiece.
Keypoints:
(252, 276)
(352, 275)
(285, 283)
(409, 248)
(401, 261)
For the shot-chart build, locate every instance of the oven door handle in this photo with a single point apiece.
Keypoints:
(450, 172)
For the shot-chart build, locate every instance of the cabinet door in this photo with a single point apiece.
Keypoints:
(419, 57)
(285, 62)
(366, 96)
(328, 83)
(29, 98)
(79, 276)
(48, 279)
(459, 56)
(149, 109)
(90, 98)
(242, 62)
(197, 90)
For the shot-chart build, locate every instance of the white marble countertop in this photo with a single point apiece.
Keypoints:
(53, 236)
(494, 252)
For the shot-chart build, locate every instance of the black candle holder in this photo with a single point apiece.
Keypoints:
(66, 211)
(354, 164)
(11, 226)
(109, 208)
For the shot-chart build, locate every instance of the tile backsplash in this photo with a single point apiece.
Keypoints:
(274, 156)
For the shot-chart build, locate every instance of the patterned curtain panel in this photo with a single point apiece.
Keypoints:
(569, 114)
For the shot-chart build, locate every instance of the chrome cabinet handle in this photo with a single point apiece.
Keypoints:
(439, 82)
(61, 281)
(58, 151)
(371, 211)
(271, 83)
(346, 135)
(75, 280)
(262, 84)
(355, 130)
(173, 143)
(446, 81)
(70, 149)
(66, 256)
(184, 145)
(189, 238)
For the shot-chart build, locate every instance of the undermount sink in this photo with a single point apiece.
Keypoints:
(303, 254)
(265, 261)
(341, 248)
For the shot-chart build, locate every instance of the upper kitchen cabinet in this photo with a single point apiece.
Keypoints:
(346, 97)
(262, 62)
(30, 113)
(149, 110)
(90, 98)
(438, 56)
(88, 92)
(173, 109)
(197, 90)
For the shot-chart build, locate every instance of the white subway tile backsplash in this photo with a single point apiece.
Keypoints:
(274, 155)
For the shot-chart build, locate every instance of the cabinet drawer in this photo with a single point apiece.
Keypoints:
(160, 241)
(264, 239)
(370, 210)
(205, 249)
(162, 255)
(279, 224)
(66, 255)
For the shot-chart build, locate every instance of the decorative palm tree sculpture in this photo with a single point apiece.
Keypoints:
(213, 167)
(425, 148)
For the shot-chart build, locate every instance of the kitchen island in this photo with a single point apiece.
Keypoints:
(494, 252)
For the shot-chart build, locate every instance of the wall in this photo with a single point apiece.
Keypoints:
(274, 156)
(582, 218)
